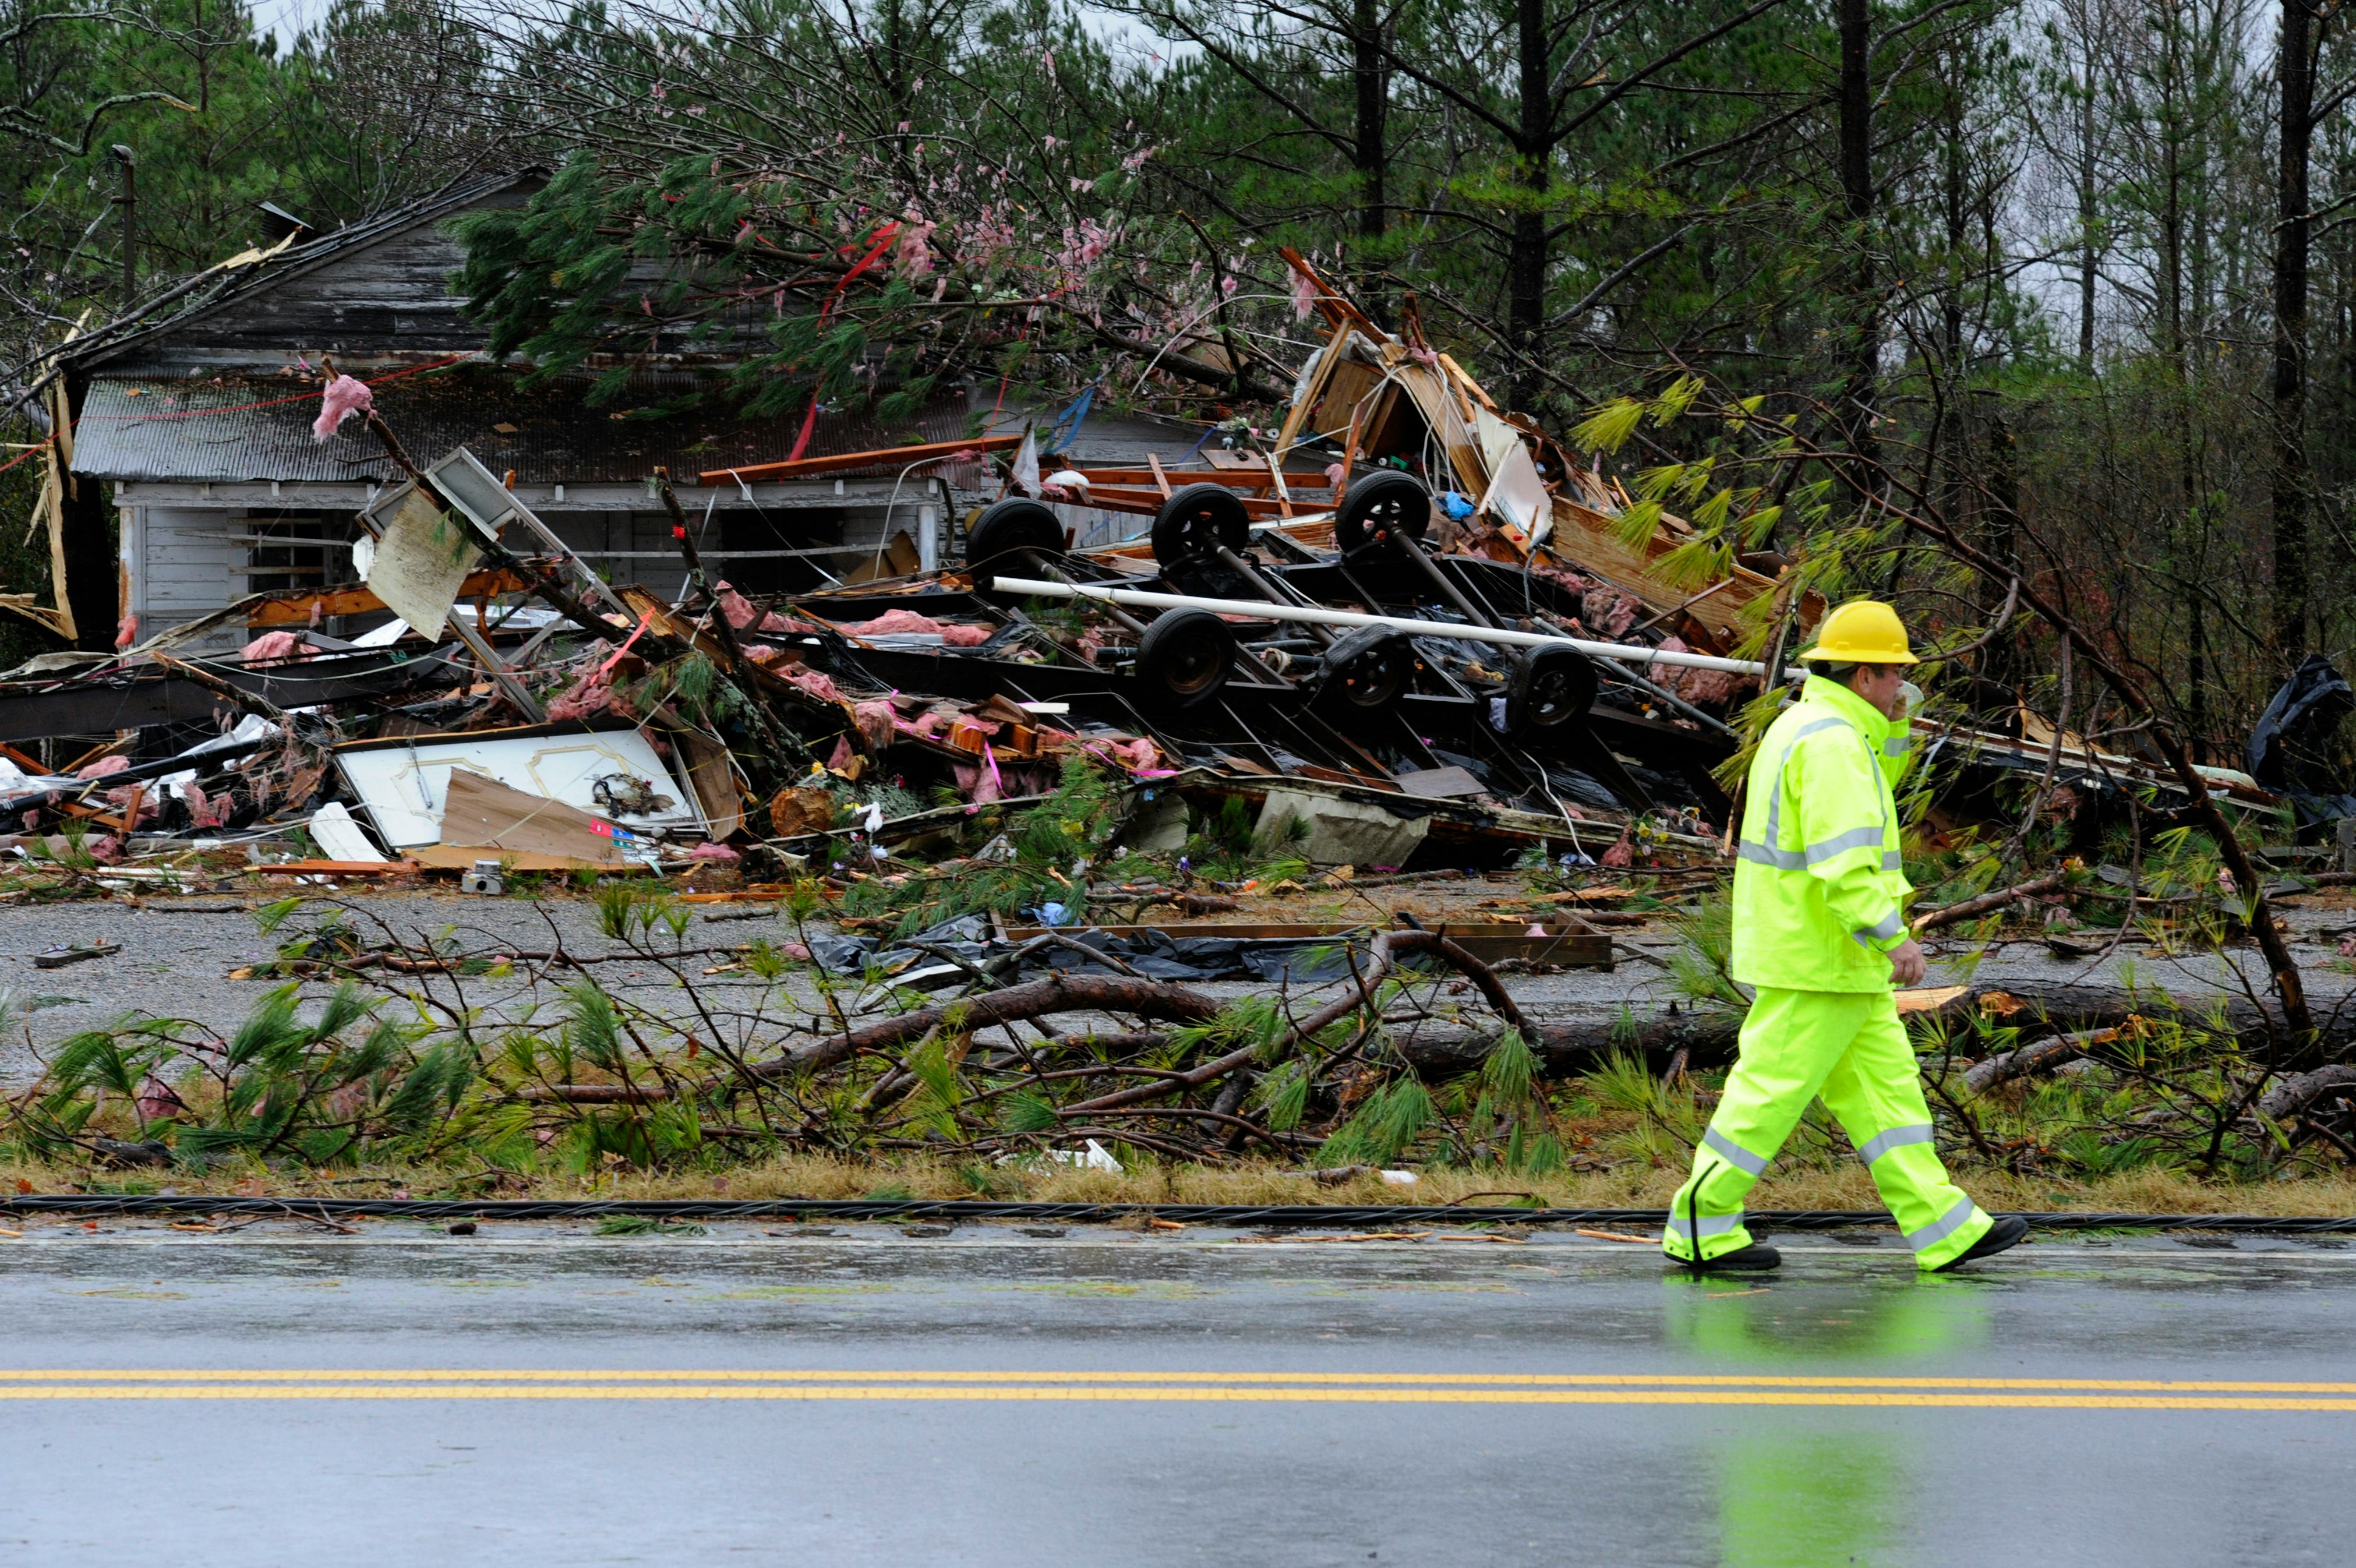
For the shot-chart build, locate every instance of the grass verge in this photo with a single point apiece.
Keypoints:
(818, 1176)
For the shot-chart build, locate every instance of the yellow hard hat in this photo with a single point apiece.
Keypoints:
(1863, 631)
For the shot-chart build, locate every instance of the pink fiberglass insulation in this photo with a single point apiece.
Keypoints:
(591, 694)
(275, 645)
(743, 615)
(878, 721)
(207, 811)
(817, 683)
(338, 401)
(899, 622)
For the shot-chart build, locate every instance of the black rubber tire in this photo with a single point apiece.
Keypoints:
(1552, 687)
(1184, 657)
(1386, 503)
(1366, 671)
(1196, 519)
(1006, 533)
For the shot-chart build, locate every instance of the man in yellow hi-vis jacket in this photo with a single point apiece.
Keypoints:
(1820, 936)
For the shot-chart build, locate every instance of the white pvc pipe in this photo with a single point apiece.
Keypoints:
(1260, 609)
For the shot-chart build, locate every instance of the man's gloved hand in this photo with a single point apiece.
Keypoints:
(1906, 964)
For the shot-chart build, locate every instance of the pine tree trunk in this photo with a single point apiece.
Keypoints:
(2291, 480)
(1855, 137)
(1525, 265)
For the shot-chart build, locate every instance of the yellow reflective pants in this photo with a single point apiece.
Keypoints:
(1849, 1047)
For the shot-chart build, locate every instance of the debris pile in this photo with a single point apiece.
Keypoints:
(1405, 631)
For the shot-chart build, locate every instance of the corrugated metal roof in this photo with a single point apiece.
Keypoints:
(231, 428)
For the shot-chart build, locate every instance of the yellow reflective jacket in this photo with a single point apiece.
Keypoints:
(1818, 888)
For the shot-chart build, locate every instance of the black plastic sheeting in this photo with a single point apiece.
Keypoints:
(1303, 960)
(85, 1205)
(2288, 746)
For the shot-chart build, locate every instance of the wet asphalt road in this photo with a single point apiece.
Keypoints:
(537, 1395)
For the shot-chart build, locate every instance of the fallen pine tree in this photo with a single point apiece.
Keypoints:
(1422, 1053)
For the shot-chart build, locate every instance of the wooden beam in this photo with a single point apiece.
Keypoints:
(1234, 479)
(1276, 477)
(1117, 497)
(842, 462)
(295, 611)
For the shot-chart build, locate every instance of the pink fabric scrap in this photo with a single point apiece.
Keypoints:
(900, 622)
(338, 401)
(277, 645)
(158, 1099)
(1304, 297)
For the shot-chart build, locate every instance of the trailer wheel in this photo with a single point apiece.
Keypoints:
(1018, 522)
(1385, 504)
(1185, 656)
(1005, 535)
(1366, 671)
(1195, 520)
(1553, 686)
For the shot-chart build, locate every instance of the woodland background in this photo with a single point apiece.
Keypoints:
(2073, 279)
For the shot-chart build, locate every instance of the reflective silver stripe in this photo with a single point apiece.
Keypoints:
(1868, 837)
(1735, 1154)
(1887, 927)
(1775, 791)
(1896, 1138)
(1711, 1225)
(1865, 837)
(1946, 1225)
(1770, 852)
(1898, 745)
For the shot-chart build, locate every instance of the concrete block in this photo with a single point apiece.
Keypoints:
(1341, 832)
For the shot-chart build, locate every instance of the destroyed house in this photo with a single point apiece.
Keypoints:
(196, 429)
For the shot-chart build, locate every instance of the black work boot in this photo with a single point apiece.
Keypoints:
(1755, 1259)
(2010, 1231)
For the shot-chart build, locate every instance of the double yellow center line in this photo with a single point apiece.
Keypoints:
(1085, 1387)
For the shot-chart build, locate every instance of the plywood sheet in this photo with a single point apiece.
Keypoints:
(400, 783)
(420, 563)
(483, 813)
